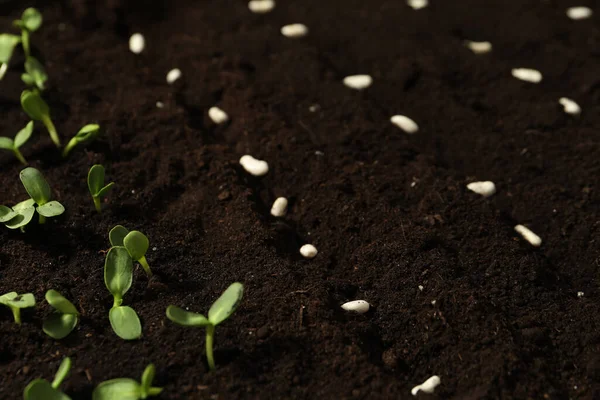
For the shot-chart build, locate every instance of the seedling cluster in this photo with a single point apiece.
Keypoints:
(128, 389)
(64, 320)
(135, 242)
(20, 139)
(16, 302)
(41, 389)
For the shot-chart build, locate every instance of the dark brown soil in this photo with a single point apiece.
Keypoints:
(387, 211)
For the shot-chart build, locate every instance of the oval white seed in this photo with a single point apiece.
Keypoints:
(417, 4)
(279, 208)
(173, 75)
(527, 74)
(528, 235)
(570, 106)
(308, 251)
(294, 30)
(357, 306)
(479, 47)
(428, 386)
(579, 12)
(485, 188)
(217, 115)
(160, 104)
(406, 124)
(137, 43)
(253, 166)
(358, 82)
(261, 6)
(580, 294)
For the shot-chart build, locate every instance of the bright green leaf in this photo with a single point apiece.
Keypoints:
(35, 70)
(6, 143)
(27, 79)
(117, 234)
(24, 134)
(89, 131)
(25, 211)
(59, 302)
(34, 105)
(6, 214)
(40, 389)
(136, 244)
(58, 326)
(118, 389)
(62, 372)
(35, 185)
(147, 378)
(118, 271)
(51, 209)
(104, 191)
(226, 304)
(125, 322)
(13, 299)
(186, 318)
(31, 19)
(95, 179)
(8, 43)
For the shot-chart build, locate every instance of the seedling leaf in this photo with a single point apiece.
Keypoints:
(62, 372)
(136, 244)
(6, 214)
(96, 179)
(40, 389)
(85, 134)
(8, 43)
(31, 19)
(16, 301)
(51, 209)
(35, 185)
(24, 134)
(118, 271)
(25, 211)
(6, 143)
(59, 302)
(104, 191)
(117, 234)
(35, 72)
(120, 388)
(147, 378)
(226, 304)
(38, 110)
(125, 322)
(58, 326)
(186, 318)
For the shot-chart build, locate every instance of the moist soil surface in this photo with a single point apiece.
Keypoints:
(388, 212)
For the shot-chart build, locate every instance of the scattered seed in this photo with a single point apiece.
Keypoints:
(154, 248)
(253, 166)
(527, 74)
(358, 306)
(160, 104)
(308, 251)
(406, 124)
(314, 108)
(173, 75)
(479, 47)
(528, 235)
(358, 82)
(217, 115)
(294, 30)
(570, 106)
(417, 4)
(261, 6)
(279, 208)
(137, 43)
(421, 288)
(580, 294)
(428, 386)
(319, 153)
(485, 188)
(433, 302)
(579, 12)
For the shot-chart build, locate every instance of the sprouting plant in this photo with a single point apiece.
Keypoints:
(19, 216)
(127, 388)
(30, 21)
(35, 74)
(219, 312)
(41, 389)
(39, 191)
(20, 139)
(96, 185)
(38, 110)
(85, 135)
(62, 322)
(16, 301)
(118, 275)
(135, 242)
(8, 43)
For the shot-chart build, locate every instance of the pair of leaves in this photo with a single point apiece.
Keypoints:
(35, 74)
(135, 242)
(16, 302)
(19, 216)
(30, 21)
(118, 276)
(61, 323)
(37, 109)
(128, 389)
(85, 135)
(38, 189)
(41, 389)
(20, 139)
(96, 185)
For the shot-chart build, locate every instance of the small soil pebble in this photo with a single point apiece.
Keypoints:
(428, 386)
(580, 294)
(261, 6)
(527, 75)
(485, 188)
(294, 30)
(308, 251)
(406, 124)
(173, 75)
(528, 235)
(358, 82)
(279, 207)
(577, 13)
(479, 47)
(570, 106)
(357, 306)
(137, 43)
(217, 115)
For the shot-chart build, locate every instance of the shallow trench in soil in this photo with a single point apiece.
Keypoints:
(388, 212)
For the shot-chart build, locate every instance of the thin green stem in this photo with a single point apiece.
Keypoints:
(17, 314)
(25, 42)
(210, 334)
(51, 130)
(19, 156)
(42, 219)
(145, 265)
(98, 204)
(117, 301)
(72, 143)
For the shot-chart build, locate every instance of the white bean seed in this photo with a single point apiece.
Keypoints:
(479, 47)
(253, 166)
(485, 188)
(358, 82)
(579, 12)
(528, 235)
(137, 43)
(217, 115)
(261, 6)
(527, 75)
(417, 4)
(580, 294)
(428, 386)
(406, 124)
(308, 251)
(358, 306)
(279, 208)
(294, 30)
(173, 75)
(570, 106)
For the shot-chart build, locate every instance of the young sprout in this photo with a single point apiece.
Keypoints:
(20, 215)
(38, 110)
(8, 43)
(20, 139)
(85, 135)
(135, 242)
(41, 389)
(39, 191)
(16, 301)
(95, 182)
(30, 21)
(128, 389)
(118, 275)
(62, 322)
(219, 312)
(35, 74)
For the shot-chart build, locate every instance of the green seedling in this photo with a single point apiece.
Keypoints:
(41, 389)
(62, 322)
(30, 21)
(118, 275)
(135, 242)
(20, 139)
(128, 389)
(85, 135)
(219, 312)
(16, 301)
(35, 74)
(38, 110)
(95, 182)
(8, 43)
(39, 191)
(19, 216)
